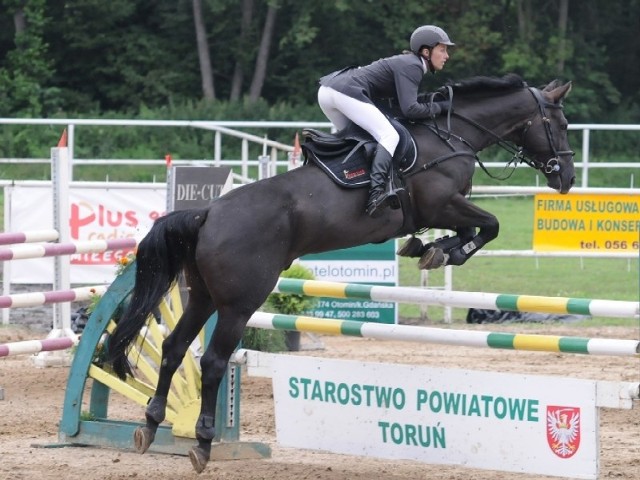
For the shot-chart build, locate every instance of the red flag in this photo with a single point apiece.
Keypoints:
(167, 159)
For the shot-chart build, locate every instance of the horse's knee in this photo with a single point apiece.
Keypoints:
(490, 231)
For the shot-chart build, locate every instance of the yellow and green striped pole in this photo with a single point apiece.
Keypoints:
(411, 333)
(490, 301)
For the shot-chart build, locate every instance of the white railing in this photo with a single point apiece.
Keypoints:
(270, 148)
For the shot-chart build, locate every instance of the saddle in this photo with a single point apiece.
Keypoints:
(346, 156)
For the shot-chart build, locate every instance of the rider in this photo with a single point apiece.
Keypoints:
(351, 94)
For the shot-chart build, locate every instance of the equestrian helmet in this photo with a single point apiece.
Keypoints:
(428, 35)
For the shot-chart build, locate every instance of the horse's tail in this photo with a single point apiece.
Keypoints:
(160, 258)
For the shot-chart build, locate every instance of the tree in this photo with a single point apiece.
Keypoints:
(241, 50)
(262, 59)
(563, 17)
(90, 56)
(27, 69)
(208, 90)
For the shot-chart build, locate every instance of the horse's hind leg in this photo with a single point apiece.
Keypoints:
(199, 308)
(225, 339)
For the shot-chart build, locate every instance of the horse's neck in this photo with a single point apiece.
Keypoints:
(501, 116)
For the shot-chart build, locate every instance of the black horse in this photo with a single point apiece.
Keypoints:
(233, 252)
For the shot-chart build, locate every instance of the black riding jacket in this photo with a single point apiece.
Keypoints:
(397, 78)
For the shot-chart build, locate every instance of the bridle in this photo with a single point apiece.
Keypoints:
(553, 164)
(518, 152)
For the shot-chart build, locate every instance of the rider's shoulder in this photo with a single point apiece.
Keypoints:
(404, 59)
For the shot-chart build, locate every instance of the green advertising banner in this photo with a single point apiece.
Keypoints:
(372, 264)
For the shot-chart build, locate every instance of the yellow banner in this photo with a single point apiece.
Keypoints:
(586, 222)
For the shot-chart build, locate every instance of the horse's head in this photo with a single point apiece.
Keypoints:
(544, 138)
(499, 109)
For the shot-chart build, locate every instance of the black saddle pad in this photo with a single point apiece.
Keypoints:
(346, 156)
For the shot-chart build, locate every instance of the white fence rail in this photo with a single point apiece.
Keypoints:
(276, 151)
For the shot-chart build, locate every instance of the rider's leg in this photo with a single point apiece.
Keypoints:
(339, 108)
(379, 196)
(327, 103)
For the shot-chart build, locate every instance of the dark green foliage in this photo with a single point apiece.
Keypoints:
(264, 340)
(137, 59)
(292, 304)
(26, 70)
(82, 57)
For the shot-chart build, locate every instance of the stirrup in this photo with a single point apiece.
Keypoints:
(394, 199)
(378, 204)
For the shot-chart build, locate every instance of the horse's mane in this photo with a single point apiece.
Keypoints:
(510, 81)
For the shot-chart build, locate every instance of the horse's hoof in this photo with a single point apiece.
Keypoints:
(411, 248)
(142, 438)
(433, 258)
(198, 459)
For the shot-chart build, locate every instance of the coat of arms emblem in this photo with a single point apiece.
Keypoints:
(563, 430)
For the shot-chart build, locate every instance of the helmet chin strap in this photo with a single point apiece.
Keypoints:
(430, 66)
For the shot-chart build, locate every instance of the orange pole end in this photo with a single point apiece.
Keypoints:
(63, 139)
(296, 145)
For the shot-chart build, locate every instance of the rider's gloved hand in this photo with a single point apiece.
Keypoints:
(441, 107)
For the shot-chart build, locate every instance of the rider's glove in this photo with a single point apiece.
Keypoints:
(441, 107)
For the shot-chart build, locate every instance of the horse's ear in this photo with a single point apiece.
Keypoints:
(556, 93)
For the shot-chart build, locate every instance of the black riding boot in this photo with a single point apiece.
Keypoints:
(381, 196)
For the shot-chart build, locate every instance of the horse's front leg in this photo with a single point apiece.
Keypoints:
(436, 254)
(460, 254)
(414, 248)
(457, 250)
(432, 254)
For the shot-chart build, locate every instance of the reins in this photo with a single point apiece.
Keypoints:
(445, 136)
(518, 153)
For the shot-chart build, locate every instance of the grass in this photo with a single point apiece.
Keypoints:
(609, 279)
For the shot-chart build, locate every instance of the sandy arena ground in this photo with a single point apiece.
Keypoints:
(31, 410)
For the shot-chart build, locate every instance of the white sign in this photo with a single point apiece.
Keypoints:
(95, 214)
(496, 421)
(354, 271)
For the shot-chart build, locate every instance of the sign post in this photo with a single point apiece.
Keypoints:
(373, 264)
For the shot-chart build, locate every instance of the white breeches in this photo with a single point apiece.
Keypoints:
(340, 109)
